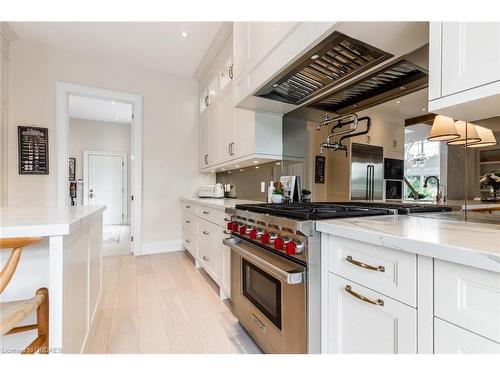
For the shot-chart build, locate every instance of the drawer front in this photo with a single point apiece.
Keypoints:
(468, 297)
(189, 207)
(211, 260)
(391, 272)
(209, 233)
(190, 243)
(450, 339)
(189, 222)
(361, 321)
(214, 215)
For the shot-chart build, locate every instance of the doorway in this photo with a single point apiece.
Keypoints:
(108, 176)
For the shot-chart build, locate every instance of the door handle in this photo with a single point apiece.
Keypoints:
(367, 181)
(373, 182)
(364, 265)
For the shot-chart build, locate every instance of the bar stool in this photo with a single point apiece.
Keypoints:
(12, 313)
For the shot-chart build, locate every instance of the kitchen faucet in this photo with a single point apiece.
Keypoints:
(438, 194)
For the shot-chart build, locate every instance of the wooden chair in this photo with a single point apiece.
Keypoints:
(12, 313)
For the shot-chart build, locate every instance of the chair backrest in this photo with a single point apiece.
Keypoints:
(16, 244)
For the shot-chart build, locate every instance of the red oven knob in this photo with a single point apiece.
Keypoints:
(279, 242)
(234, 226)
(230, 225)
(253, 234)
(243, 230)
(291, 248)
(266, 239)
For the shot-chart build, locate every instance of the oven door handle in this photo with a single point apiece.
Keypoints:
(288, 277)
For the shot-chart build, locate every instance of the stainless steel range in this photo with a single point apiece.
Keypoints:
(275, 268)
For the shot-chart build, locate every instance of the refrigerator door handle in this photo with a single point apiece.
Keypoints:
(367, 183)
(373, 182)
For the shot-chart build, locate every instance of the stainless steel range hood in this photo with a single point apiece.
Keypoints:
(335, 60)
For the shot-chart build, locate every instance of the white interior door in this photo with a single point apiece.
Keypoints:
(106, 179)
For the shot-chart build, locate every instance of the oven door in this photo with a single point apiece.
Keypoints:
(269, 297)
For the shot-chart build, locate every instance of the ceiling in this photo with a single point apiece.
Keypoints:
(408, 106)
(157, 46)
(99, 110)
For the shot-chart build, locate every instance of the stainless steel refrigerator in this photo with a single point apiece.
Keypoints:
(366, 172)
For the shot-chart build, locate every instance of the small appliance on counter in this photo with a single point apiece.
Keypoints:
(229, 191)
(211, 191)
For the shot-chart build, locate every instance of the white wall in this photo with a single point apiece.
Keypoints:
(170, 130)
(91, 135)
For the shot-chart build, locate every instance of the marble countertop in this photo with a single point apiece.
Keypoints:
(475, 244)
(43, 221)
(219, 203)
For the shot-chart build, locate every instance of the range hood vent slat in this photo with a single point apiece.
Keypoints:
(334, 60)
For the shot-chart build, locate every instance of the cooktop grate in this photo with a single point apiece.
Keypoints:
(334, 60)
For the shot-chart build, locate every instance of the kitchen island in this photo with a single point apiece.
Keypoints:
(68, 262)
(410, 284)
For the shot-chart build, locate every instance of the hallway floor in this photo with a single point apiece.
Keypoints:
(116, 240)
(162, 304)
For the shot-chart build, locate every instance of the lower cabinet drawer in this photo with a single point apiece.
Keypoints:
(209, 233)
(189, 222)
(189, 242)
(468, 297)
(362, 321)
(390, 272)
(214, 215)
(450, 339)
(211, 260)
(189, 207)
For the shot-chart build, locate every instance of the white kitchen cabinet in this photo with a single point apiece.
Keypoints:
(203, 140)
(464, 70)
(214, 152)
(375, 325)
(451, 339)
(226, 266)
(263, 49)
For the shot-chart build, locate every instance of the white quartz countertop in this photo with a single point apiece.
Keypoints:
(43, 221)
(218, 203)
(469, 243)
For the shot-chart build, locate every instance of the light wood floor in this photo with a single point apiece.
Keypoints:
(162, 304)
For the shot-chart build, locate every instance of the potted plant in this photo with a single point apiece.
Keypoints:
(306, 195)
(492, 179)
(277, 196)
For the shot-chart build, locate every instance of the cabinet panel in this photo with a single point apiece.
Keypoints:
(213, 151)
(468, 297)
(450, 339)
(203, 140)
(226, 266)
(470, 55)
(359, 327)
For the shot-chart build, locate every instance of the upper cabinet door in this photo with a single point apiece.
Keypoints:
(213, 91)
(470, 55)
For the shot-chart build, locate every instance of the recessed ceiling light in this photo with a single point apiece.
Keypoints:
(275, 85)
(314, 57)
(184, 34)
(256, 161)
(278, 163)
(113, 102)
(256, 167)
(236, 166)
(229, 172)
(423, 109)
(398, 101)
(241, 170)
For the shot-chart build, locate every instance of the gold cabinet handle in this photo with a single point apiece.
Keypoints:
(227, 219)
(188, 222)
(231, 73)
(364, 265)
(188, 241)
(205, 258)
(206, 233)
(349, 290)
(188, 206)
(227, 232)
(206, 212)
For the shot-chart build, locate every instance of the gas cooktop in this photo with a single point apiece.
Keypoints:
(312, 211)
(332, 210)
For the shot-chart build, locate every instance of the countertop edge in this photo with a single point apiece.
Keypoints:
(464, 256)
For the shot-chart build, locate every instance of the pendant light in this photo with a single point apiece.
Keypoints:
(487, 137)
(443, 129)
(470, 133)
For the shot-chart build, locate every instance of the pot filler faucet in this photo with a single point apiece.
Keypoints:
(350, 120)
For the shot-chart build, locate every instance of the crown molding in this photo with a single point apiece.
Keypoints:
(7, 32)
(224, 32)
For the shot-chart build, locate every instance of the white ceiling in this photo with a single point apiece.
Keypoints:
(408, 106)
(153, 45)
(99, 110)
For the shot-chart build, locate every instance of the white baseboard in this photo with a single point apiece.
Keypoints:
(161, 247)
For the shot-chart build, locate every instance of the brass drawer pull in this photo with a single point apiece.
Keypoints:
(227, 219)
(349, 290)
(188, 222)
(206, 233)
(205, 258)
(227, 232)
(188, 206)
(187, 241)
(206, 212)
(364, 265)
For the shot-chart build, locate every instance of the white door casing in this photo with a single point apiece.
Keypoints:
(105, 183)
